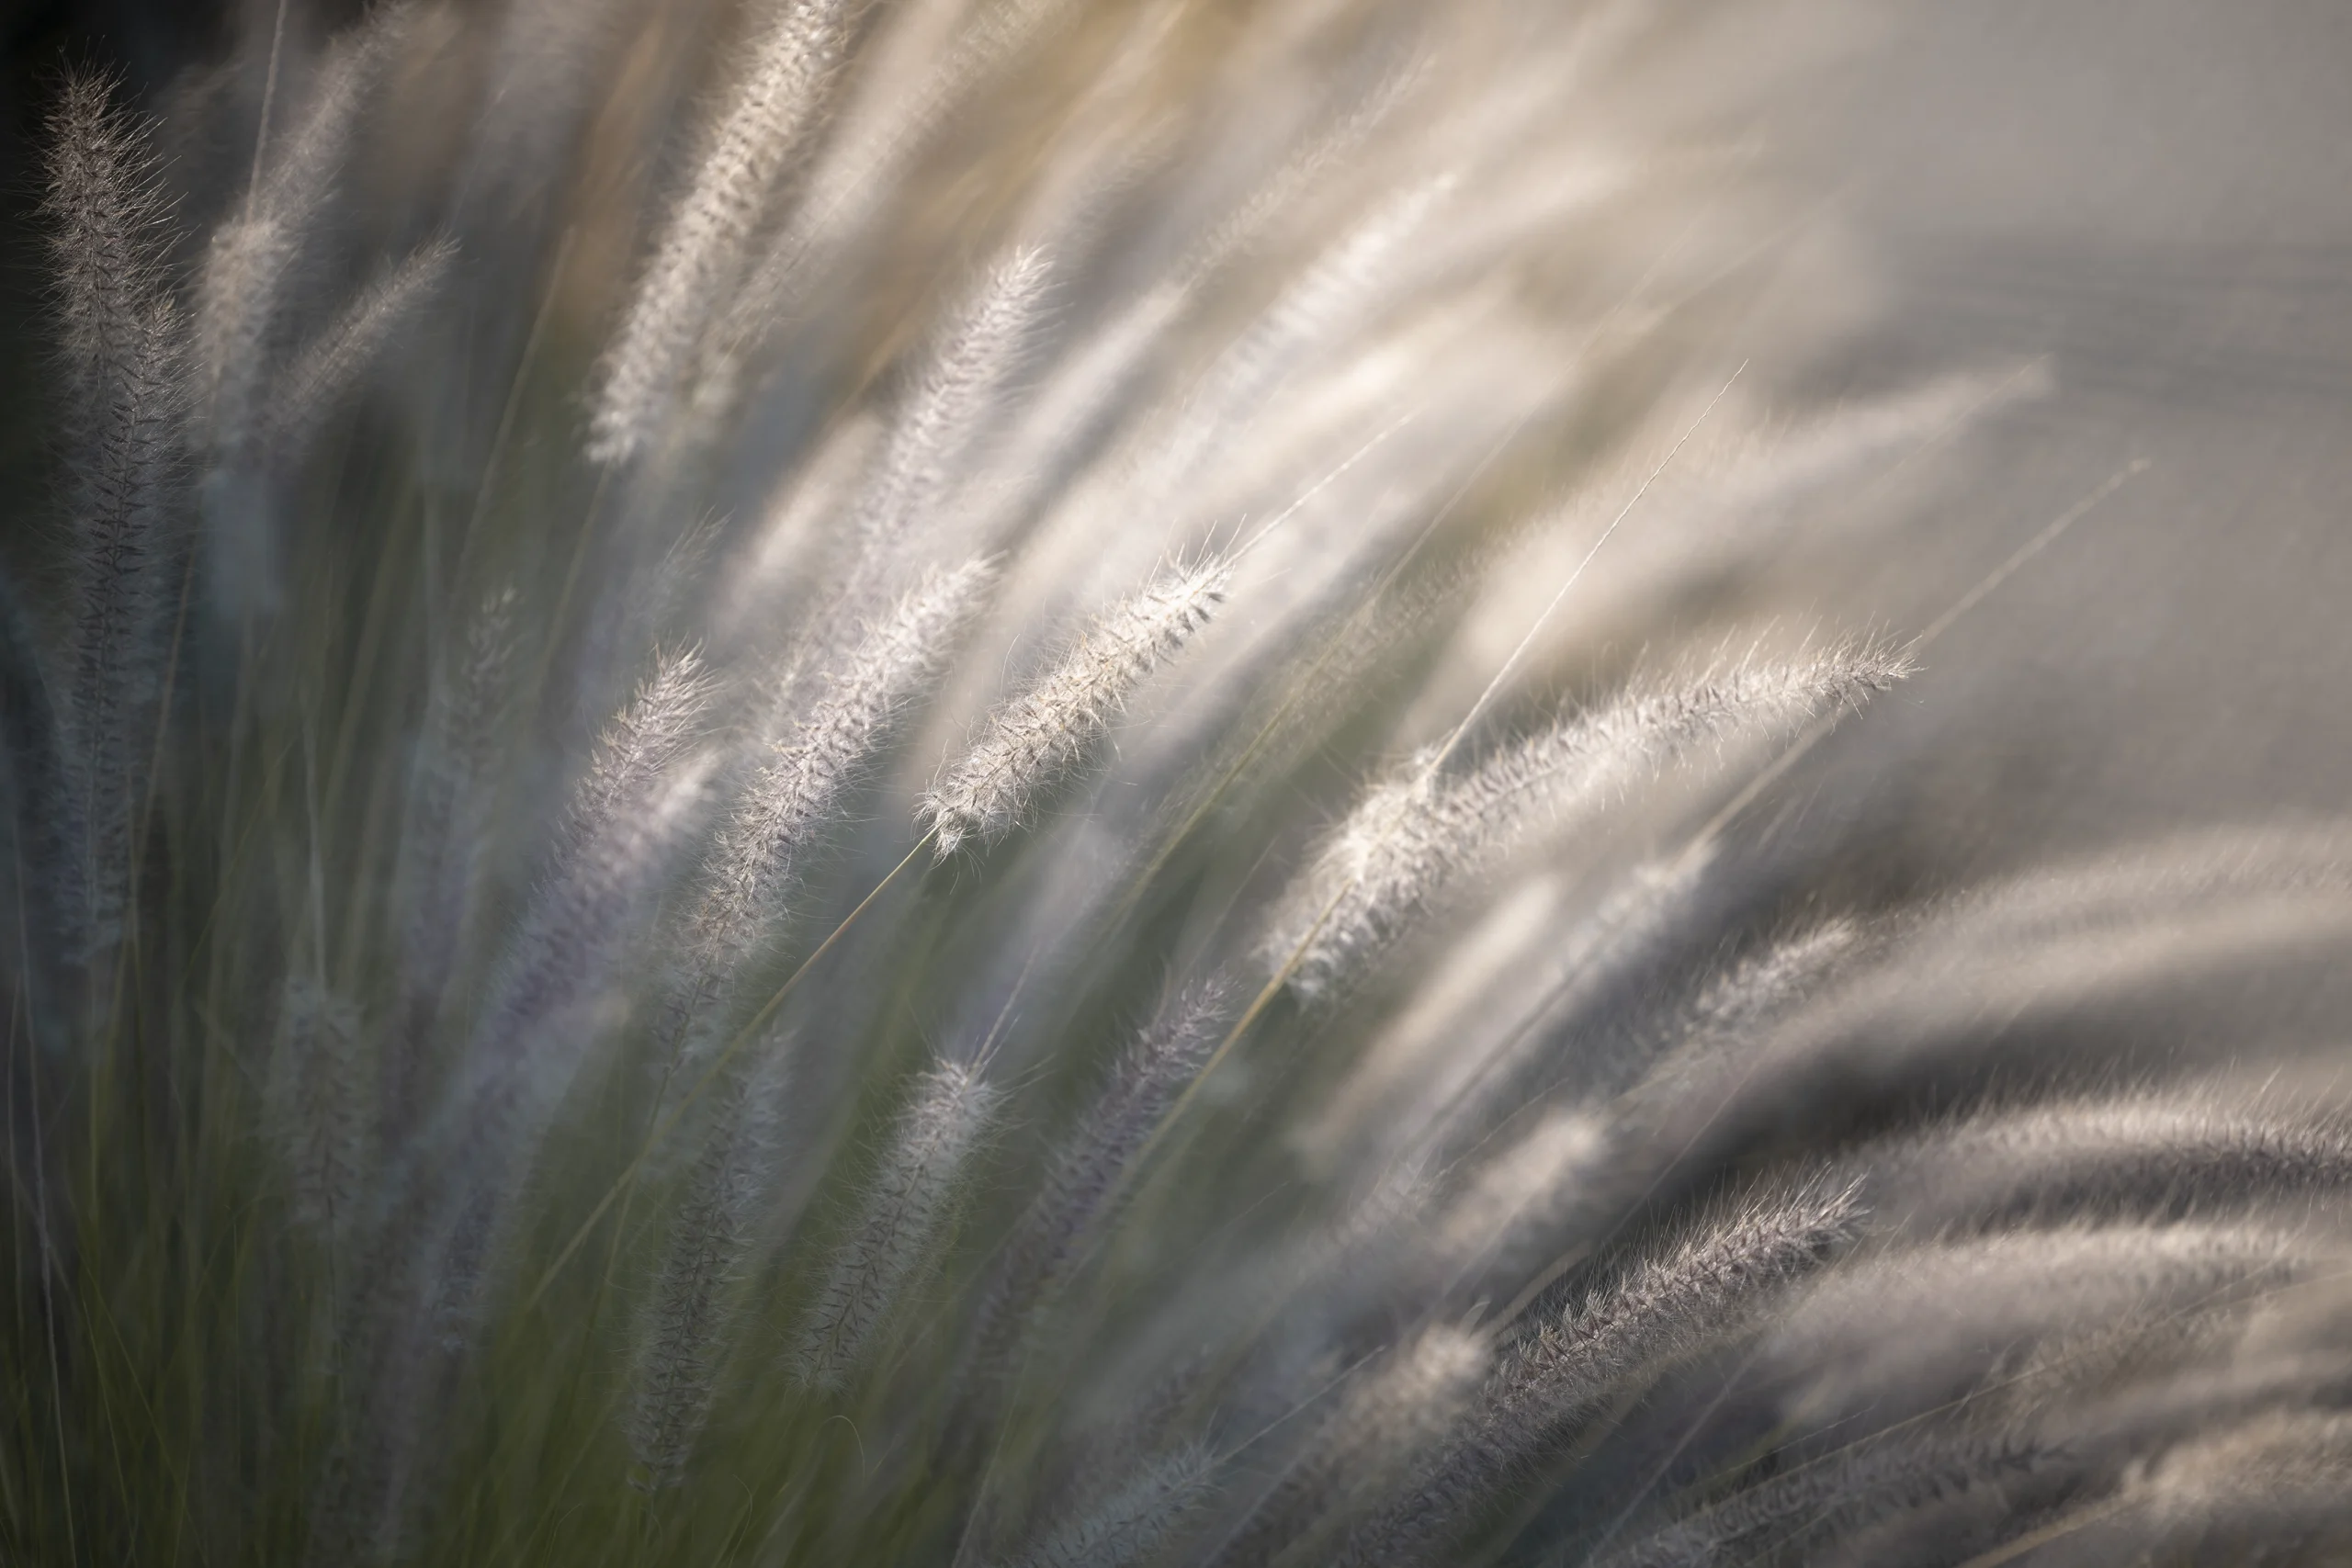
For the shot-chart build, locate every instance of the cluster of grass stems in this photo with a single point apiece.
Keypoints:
(782, 787)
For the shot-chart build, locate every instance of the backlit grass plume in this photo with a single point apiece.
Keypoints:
(122, 364)
(702, 249)
(1080, 783)
(1030, 743)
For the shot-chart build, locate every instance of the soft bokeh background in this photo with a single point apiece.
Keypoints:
(2156, 195)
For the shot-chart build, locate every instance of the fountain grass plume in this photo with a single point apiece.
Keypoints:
(1088, 1171)
(322, 375)
(1399, 845)
(1655, 1310)
(324, 1119)
(690, 1317)
(643, 741)
(1128, 1527)
(242, 277)
(247, 284)
(1867, 1482)
(760, 858)
(910, 1198)
(758, 129)
(1926, 1309)
(878, 134)
(1659, 1309)
(628, 816)
(451, 805)
(2158, 1152)
(1385, 1421)
(122, 334)
(953, 389)
(1029, 745)
(1518, 1198)
(2275, 1476)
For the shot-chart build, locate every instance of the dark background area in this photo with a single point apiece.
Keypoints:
(146, 42)
(145, 38)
